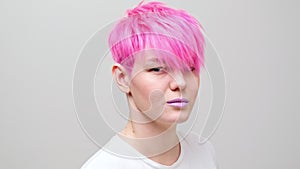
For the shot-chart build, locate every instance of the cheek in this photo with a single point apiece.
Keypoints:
(143, 91)
(194, 84)
(140, 94)
(148, 94)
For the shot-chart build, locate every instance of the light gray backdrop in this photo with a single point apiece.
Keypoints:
(258, 42)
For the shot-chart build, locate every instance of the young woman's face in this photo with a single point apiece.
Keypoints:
(161, 94)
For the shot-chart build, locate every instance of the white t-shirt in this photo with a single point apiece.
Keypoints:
(192, 156)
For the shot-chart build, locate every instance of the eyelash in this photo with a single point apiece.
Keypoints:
(156, 69)
(160, 69)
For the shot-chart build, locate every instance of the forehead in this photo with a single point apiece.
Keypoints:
(147, 58)
(154, 57)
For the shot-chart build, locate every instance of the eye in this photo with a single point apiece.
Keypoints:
(155, 69)
(192, 68)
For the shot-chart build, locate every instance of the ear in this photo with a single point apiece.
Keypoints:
(121, 77)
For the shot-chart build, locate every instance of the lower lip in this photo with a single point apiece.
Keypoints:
(178, 104)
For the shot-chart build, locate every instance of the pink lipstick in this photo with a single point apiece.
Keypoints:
(178, 102)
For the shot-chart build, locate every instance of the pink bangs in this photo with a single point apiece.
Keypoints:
(175, 35)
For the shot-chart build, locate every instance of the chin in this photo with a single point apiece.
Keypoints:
(176, 116)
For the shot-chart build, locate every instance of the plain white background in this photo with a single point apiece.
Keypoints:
(258, 42)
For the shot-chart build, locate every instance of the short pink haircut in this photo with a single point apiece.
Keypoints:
(156, 26)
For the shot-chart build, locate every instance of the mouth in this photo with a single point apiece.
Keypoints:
(178, 102)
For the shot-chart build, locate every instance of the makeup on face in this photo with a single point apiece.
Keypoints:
(178, 102)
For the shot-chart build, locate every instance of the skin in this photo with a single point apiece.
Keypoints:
(149, 87)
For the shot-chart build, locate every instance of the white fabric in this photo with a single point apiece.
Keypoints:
(193, 156)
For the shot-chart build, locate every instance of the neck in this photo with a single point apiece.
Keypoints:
(155, 140)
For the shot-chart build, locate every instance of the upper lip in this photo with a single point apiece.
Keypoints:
(178, 100)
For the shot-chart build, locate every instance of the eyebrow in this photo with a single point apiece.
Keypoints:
(152, 61)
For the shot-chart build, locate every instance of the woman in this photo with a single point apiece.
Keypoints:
(158, 52)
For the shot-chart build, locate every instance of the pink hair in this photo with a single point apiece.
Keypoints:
(156, 26)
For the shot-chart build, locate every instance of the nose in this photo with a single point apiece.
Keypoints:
(178, 82)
